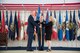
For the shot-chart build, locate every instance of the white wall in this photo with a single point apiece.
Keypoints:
(38, 1)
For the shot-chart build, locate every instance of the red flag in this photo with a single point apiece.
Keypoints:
(54, 32)
(3, 22)
(19, 25)
(25, 33)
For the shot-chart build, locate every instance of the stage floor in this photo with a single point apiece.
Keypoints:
(24, 51)
(55, 45)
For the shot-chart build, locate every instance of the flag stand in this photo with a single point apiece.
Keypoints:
(41, 32)
(36, 38)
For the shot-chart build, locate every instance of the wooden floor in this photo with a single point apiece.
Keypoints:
(53, 51)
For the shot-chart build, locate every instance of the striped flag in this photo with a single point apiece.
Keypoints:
(38, 14)
(19, 22)
(60, 32)
(19, 25)
(3, 22)
(22, 35)
(54, 34)
(67, 24)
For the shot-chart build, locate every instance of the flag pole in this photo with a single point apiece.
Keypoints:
(7, 36)
(41, 24)
(41, 27)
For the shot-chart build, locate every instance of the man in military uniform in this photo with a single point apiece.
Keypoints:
(41, 32)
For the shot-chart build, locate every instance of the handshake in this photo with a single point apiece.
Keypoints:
(40, 26)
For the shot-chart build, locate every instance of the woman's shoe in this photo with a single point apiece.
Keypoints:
(48, 50)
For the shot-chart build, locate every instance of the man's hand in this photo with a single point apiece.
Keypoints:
(40, 26)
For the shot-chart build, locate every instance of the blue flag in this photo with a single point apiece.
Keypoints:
(50, 13)
(11, 28)
(66, 15)
(60, 32)
(54, 14)
(67, 24)
(10, 22)
(60, 19)
(70, 16)
(47, 17)
(74, 20)
(38, 14)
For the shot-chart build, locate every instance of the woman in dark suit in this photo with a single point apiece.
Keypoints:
(48, 31)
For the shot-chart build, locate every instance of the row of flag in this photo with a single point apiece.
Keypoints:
(14, 26)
